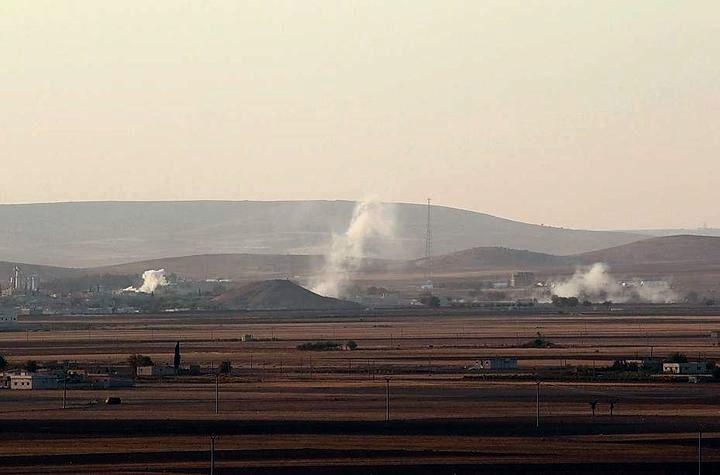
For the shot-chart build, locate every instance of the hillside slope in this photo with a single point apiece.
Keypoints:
(661, 250)
(492, 258)
(224, 266)
(45, 273)
(104, 233)
(279, 294)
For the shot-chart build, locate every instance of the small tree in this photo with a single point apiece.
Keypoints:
(593, 406)
(225, 367)
(176, 359)
(716, 373)
(351, 345)
(3, 363)
(677, 358)
(430, 301)
(31, 366)
(136, 360)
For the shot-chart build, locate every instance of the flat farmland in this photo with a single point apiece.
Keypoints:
(283, 410)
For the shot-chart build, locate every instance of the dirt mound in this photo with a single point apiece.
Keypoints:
(279, 294)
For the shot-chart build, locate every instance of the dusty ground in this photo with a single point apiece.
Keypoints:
(287, 411)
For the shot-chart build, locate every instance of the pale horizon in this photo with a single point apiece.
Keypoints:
(571, 114)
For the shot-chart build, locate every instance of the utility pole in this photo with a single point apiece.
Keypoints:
(217, 393)
(387, 399)
(65, 392)
(212, 454)
(700, 452)
(537, 405)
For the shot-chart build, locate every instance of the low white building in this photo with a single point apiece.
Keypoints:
(497, 363)
(685, 368)
(155, 371)
(29, 381)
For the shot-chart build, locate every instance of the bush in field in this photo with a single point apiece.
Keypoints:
(538, 342)
(677, 358)
(319, 346)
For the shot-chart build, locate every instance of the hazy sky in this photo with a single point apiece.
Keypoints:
(596, 114)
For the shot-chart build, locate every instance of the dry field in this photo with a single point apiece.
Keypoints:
(288, 411)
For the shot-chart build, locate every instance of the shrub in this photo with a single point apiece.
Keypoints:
(538, 342)
(225, 367)
(351, 345)
(319, 346)
(716, 372)
(136, 360)
(677, 358)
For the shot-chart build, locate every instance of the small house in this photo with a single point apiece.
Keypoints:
(700, 367)
(30, 381)
(155, 371)
(497, 363)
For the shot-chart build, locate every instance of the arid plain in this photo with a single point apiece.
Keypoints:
(281, 409)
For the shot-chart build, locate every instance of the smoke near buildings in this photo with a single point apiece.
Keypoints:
(152, 279)
(370, 221)
(596, 284)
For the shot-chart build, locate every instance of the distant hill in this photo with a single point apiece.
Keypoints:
(45, 273)
(492, 258)
(676, 232)
(694, 260)
(224, 266)
(660, 250)
(106, 233)
(279, 294)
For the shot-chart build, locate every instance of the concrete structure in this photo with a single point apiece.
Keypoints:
(109, 381)
(15, 280)
(522, 279)
(248, 337)
(685, 368)
(8, 322)
(155, 371)
(28, 381)
(497, 363)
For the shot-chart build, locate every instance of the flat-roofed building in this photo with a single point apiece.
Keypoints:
(522, 279)
(155, 371)
(30, 381)
(700, 367)
(497, 363)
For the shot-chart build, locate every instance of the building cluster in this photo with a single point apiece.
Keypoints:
(19, 284)
(75, 379)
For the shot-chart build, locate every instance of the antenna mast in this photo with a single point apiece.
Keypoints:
(428, 249)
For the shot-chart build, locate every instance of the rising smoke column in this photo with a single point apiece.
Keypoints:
(597, 284)
(370, 220)
(152, 279)
(592, 283)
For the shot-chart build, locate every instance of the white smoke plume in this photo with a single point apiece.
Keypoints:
(596, 284)
(370, 221)
(152, 279)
